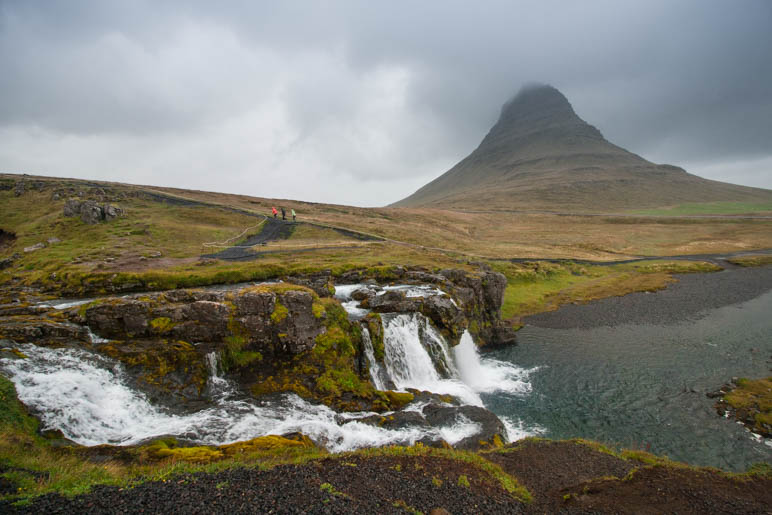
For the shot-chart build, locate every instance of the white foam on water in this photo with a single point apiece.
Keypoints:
(89, 399)
(485, 375)
(517, 430)
(463, 428)
(93, 338)
(66, 304)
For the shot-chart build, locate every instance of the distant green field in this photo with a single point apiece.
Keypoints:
(709, 208)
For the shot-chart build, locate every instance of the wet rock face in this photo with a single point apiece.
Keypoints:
(478, 297)
(481, 296)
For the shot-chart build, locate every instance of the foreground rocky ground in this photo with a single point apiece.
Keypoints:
(565, 477)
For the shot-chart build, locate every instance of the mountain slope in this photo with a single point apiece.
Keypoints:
(541, 155)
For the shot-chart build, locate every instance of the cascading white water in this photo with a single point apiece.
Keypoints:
(488, 375)
(94, 338)
(89, 399)
(376, 371)
(417, 356)
(218, 386)
(409, 364)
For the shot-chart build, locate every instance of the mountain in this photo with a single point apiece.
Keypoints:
(540, 155)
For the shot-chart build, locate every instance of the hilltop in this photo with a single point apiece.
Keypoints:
(541, 155)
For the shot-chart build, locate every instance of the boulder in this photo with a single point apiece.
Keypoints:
(491, 429)
(6, 262)
(35, 247)
(91, 213)
(72, 207)
(362, 294)
(111, 212)
(392, 302)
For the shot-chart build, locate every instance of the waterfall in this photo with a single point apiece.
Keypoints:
(218, 386)
(92, 400)
(488, 375)
(408, 339)
(89, 398)
(93, 338)
(376, 371)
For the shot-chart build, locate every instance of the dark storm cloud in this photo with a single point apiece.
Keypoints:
(363, 102)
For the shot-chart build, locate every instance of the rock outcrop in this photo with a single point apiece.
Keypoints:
(274, 323)
(90, 211)
(474, 304)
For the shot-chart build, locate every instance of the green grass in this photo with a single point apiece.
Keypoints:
(753, 393)
(709, 208)
(539, 286)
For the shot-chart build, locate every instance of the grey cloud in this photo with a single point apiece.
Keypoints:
(367, 92)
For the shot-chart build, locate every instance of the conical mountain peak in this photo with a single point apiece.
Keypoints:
(540, 154)
(538, 109)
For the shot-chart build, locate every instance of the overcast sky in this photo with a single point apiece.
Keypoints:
(362, 103)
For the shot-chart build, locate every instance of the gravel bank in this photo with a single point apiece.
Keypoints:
(687, 299)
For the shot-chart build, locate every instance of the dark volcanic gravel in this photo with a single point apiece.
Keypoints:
(355, 485)
(564, 477)
(691, 296)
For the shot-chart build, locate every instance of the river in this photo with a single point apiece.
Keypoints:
(643, 385)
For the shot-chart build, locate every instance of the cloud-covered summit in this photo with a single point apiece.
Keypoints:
(362, 103)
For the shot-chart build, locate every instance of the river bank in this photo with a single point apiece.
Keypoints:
(687, 298)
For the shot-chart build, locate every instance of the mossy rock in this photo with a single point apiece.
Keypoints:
(267, 443)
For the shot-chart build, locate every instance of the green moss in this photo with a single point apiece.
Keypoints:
(375, 328)
(334, 339)
(265, 443)
(243, 358)
(317, 308)
(162, 324)
(13, 414)
(279, 312)
(393, 401)
(235, 343)
(753, 395)
(463, 481)
(157, 360)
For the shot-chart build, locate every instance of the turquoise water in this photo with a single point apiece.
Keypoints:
(643, 386)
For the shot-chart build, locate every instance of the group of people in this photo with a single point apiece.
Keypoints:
(283, 213)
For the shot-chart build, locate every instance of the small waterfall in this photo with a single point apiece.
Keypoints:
(488, 375)
(410, 365)
(93, 338)
(217, 385)
(376, 371)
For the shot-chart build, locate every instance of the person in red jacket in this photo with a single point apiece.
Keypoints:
(273, 210)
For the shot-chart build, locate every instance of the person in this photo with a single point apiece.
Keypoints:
(283, 214)
(273, 210)
(293, 214)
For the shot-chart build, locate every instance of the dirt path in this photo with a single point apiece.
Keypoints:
(274, 229)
